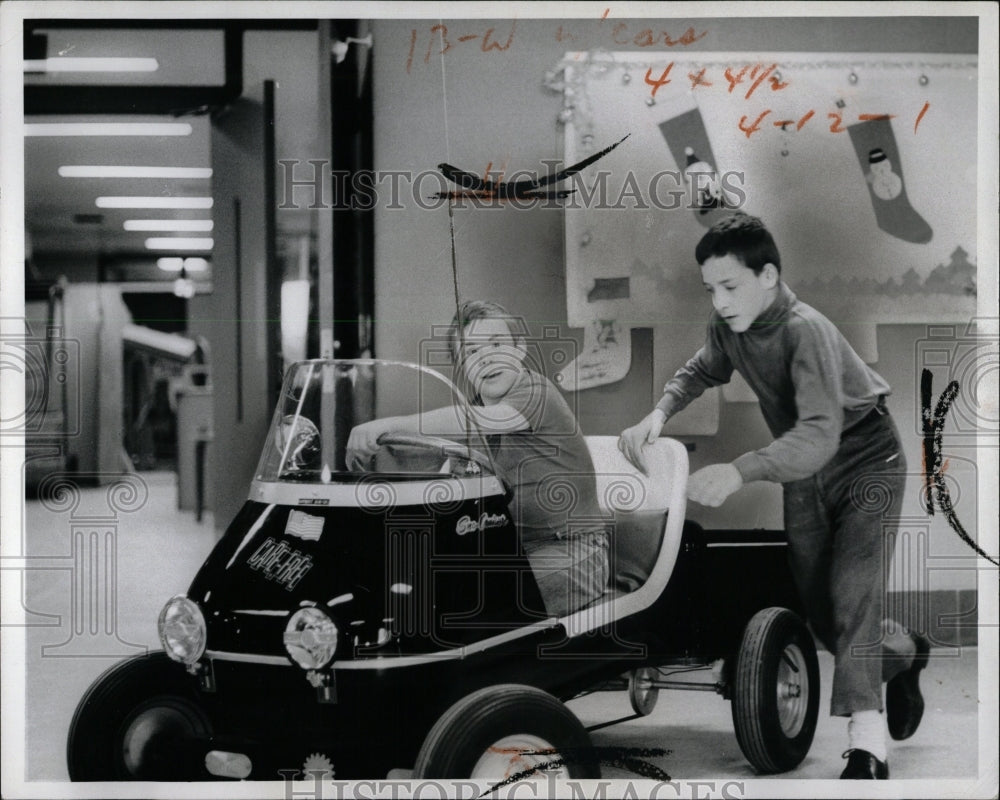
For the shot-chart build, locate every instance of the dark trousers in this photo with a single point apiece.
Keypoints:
(839, 552)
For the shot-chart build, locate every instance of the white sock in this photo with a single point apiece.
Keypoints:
(866, 731)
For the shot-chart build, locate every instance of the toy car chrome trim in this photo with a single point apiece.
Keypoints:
(247, 658)
(383, 662)
(747, 544)
(263, 612)
(368, 494)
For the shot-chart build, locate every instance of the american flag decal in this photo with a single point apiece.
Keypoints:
(305, 526)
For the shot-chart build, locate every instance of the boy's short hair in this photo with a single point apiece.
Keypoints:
(742, 236)
(472, 310)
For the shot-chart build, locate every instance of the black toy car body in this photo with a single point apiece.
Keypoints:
(388, 619)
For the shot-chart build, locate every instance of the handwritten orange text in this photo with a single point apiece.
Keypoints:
(437, 40)
(750, 127)
(754, 75)
(647, 37)
(441, 40)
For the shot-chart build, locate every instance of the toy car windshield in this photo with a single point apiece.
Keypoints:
(323, 400)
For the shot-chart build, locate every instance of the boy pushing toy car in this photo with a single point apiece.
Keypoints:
(826, 409)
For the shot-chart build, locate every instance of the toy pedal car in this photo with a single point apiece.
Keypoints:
(387, 618)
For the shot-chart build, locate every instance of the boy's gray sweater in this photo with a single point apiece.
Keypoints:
(811, 385)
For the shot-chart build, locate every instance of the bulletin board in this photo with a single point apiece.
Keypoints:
(862, 167)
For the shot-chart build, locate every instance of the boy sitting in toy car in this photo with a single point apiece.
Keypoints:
(539, 448)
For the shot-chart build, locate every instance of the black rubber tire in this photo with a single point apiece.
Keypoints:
(467, 730)
(772, 640)
(142, 685)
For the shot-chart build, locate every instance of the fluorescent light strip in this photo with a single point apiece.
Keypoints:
(154, 202)
(134, 172)
(174, 264)
(95, 64)
(178, 243)
(189, 225)
(107, 129)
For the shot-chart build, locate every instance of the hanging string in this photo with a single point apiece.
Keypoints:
(451, 207)
(454, 261)
(459, 322)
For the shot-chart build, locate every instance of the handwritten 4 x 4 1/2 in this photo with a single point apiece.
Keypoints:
(386, 618)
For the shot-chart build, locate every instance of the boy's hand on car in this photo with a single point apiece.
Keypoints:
(633, 440)
(362, 444)
(711, 485)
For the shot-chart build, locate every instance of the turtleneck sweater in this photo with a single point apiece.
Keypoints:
(810, 383)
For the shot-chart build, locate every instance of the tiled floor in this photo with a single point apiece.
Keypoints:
(159, 549)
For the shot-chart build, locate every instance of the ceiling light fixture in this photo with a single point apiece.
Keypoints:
(110, 171)
(178, 243)
(94, 64)
(107, 129)
(189, 225)
(176, 264)
(154, 202)
(195, 264)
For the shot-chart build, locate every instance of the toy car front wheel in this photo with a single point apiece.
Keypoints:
(641, 692)
(775, 691)
(507, 732)
(141, 720)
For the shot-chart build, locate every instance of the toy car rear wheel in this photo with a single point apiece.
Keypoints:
(141, 720)
(504, 731)
(775, 691)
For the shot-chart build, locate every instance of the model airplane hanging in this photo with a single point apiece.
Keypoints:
(474, 186)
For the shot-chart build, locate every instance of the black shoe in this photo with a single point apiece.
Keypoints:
(904, 705)
(864, 766)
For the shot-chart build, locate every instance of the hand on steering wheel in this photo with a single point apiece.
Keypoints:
(363, 443)
(366, 440)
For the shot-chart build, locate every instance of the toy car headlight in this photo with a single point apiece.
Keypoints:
(310, 638)
(182, 630)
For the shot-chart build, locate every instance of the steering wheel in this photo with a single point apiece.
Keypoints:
(437, 445)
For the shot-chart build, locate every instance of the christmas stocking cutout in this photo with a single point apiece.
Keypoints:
(875, 146)
(606, 357)
(689, 145)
